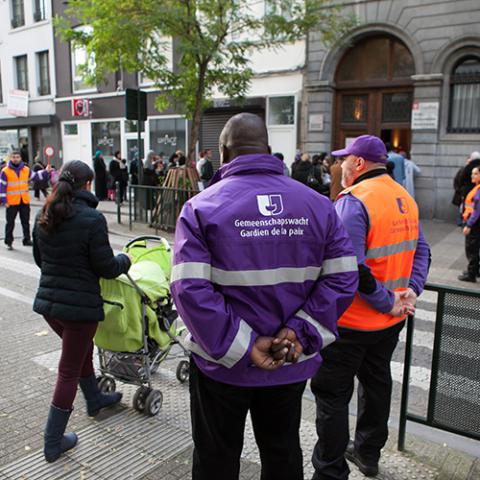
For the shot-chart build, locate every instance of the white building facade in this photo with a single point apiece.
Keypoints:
(27, 82)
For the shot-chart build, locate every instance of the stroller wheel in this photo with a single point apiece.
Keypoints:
(107, 385)
(153, 403)
(140, 398)
(183, 371)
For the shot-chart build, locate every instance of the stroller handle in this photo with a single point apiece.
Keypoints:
(154, 238)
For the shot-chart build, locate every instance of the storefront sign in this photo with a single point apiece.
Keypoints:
(425, 115)
(315, 122)
(166, 140)
(80, 107)
(18, 103)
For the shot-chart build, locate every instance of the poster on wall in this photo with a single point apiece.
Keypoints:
(315, 122)
(18, 103)
(425, 115)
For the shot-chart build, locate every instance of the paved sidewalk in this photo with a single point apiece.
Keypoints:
(123, 444)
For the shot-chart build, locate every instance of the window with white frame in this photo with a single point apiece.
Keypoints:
(21, 72)
(465, 96)
(18, 13)
(281, 110)
(164, 45)
(1, 88)
(39, 12)
(43, 73)
(79, 59)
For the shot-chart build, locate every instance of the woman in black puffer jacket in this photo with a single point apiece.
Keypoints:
(72, 249)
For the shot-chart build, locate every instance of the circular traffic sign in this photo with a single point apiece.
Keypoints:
(49, 151)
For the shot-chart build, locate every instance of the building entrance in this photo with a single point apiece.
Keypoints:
(374, 93)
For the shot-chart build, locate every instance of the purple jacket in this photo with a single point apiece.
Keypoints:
(33, 176)
(255, 252)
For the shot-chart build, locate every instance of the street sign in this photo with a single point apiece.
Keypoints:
(135, 104)
(49, 152)
(80, 107)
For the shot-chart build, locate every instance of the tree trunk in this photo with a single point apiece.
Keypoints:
(197, 113)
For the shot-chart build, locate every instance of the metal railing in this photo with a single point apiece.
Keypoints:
(454, 392)
(159, 207)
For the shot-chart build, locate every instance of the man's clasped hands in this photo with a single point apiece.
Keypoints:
(271, 353)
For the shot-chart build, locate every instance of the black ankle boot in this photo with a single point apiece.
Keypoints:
(96, 400)
(55, 441)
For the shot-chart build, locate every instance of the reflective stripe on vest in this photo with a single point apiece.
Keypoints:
(17, 186)
(469, 204)
(391, 243)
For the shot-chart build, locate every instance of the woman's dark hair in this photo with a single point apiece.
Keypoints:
(59, 204)
(182, 160)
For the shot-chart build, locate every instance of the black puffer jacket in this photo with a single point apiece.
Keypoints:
(72, 260)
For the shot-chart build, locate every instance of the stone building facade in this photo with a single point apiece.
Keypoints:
(410, 73)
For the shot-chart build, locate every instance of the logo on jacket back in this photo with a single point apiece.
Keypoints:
(269, 205)
(402, 204)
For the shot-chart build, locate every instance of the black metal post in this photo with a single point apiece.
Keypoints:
(130, 191)
(405, 384)
(118, 200)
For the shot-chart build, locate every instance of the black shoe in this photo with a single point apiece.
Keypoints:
(56, 441)
(27, 243)
(8, 246)
(465, 277)
(368, 469)
(96, 400)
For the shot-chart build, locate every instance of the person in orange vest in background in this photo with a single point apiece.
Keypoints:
(471, 215)
(393, 259)
(14, 195)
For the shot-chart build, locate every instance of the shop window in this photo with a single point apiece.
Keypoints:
(465, 97)
(18, 13)
(131, 126)
(70, 129)
(354, 108)
(281, 110)
(39, 13)
(106, 138)
(43, 73)
(8, 141)
(80, 60)
(167, 135)
(21, 71)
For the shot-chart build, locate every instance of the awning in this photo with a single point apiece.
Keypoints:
(33, 121)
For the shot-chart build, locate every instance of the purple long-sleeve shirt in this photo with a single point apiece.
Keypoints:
(32, 176)
(473, 218)
(355, 218)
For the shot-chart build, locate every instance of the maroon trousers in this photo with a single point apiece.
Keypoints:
(76, 360)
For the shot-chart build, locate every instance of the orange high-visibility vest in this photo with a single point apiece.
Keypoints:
(391, 243)
(17, 186)
(469, 205)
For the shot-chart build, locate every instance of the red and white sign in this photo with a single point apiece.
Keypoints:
(49, 152)
(18, 103)
(80, 107)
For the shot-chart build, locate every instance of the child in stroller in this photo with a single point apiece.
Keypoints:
(140, 328)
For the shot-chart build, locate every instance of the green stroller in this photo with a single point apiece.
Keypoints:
(140, 325)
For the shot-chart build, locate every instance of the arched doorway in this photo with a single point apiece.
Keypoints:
(374, 92)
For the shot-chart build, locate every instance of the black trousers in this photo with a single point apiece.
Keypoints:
(219, 413)
(472, 251)
(366, 355)
(11, 215)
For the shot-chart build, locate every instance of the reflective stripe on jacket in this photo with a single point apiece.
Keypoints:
(17, 185)
(469, 204)
(256, 252)
(391, 243)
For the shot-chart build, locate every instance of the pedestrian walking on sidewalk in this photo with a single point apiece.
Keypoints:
(262, 270)
(72, 249)
(471, 230)
(40, 185)
(15, 196)
(393, 257)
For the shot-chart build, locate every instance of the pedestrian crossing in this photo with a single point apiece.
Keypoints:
(20, 263)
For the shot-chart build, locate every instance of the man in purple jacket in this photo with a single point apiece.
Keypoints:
(262, 270)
